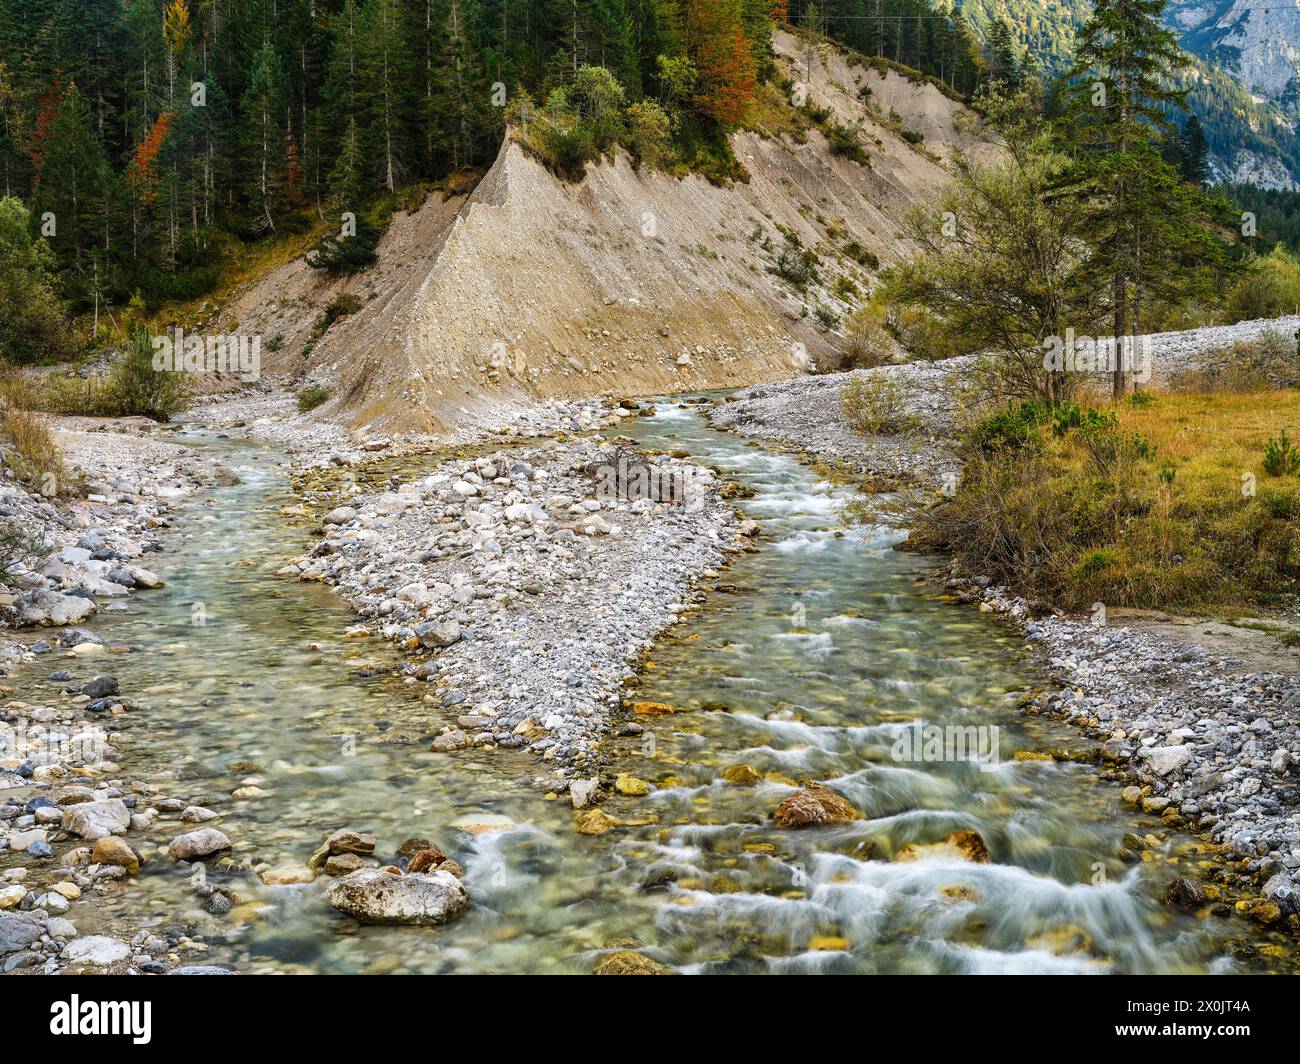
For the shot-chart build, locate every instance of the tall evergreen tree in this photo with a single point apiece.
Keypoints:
(1144, 219)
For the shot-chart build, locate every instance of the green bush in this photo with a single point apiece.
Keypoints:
(346, 254)
(311, 397)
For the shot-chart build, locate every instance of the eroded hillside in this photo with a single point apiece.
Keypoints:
(625, 282)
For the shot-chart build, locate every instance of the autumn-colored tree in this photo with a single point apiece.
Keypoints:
(714, 35)
(47, 110)
(142, 173)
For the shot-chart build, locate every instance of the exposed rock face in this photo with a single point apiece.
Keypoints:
(814, 805)
(379, 896)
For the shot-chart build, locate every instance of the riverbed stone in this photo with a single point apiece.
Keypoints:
(378, 896)
(97, 950)
(196, 845)
(97, 820)
(812, 805)
(114, 851)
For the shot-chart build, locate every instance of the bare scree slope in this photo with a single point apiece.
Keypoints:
(622, 283)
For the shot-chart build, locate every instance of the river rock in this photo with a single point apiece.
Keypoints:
(963, 845)
(629, 962)
(595, 822)
(347, 841)
(342, 864)
(50, 609)
(424, 860)
(18, 931)
(99, 950)
(97, 820)
(438, 633)
(378, 896)
(742, 775)
(1185, 893)
(101, 687)
(111, 850)
(1162, 760)
(814, 804)
(583, 792)
(195, 845)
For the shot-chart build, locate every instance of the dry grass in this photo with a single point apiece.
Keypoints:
(1168, 506)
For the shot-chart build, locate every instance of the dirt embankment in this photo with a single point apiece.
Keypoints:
(625, 282)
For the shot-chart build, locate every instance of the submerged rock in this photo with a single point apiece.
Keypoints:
(380, 896)
(963, 844)
(1186, 894)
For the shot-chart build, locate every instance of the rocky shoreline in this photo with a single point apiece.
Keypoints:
(59, 778)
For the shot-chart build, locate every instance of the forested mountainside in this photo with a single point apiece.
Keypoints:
(153, 129)
(1256, 41)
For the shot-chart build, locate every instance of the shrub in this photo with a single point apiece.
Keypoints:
(868, 343)
(1281, 459)
(340, 255)
(20, 546)
(311, 397)
(795, 263)
(648, 134)
(31, 453)
(338, 307)
(876, 405)
(1269, 288)
(136, 388)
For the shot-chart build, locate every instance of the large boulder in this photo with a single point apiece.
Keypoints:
(50, 609)
(381, 896)
(97, 820)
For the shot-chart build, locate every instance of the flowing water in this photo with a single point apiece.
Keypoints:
(827, 646)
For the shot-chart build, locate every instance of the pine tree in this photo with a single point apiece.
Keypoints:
(1119, 99)
(1193, 151)
(386, 90)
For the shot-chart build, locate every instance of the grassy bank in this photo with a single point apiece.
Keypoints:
(1163, 501)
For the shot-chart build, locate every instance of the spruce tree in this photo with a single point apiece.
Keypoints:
(1145, 221)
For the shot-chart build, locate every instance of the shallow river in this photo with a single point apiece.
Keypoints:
(827, 646)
